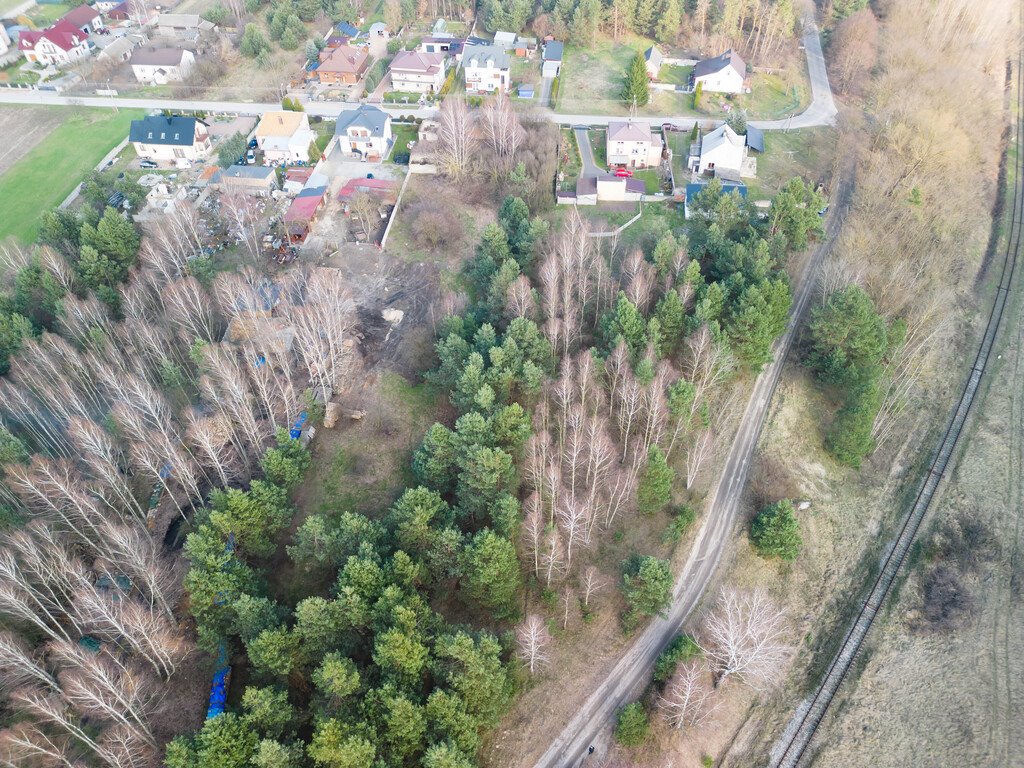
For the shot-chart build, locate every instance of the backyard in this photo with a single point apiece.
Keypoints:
(49, 171)
(403, 135)
(807, 152)
(45, 15)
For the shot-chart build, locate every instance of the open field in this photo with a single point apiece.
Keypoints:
(46, 173)
(45, 15)
(807, 152)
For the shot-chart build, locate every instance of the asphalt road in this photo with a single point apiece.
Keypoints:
(631, 674)
(590, 166)
(822, 110)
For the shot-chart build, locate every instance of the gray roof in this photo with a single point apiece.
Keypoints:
(553, 51)
(653, 56)
(717, 64)
(478, 56)
(158, 57)
(366, 116)
(505, 38)
(755, 138)
(255, 172)
(174, 131)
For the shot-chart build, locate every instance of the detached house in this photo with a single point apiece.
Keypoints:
(653, 61)
(418, 72)
(722, 74)
(176, 139)
(284, 137)
(61, 44)
(183, 26)
(85, 18)
(552, 59)
(723, 152)
(487, 69)
(162, 65)
(364, 132)
(632, 144)
(344, 65)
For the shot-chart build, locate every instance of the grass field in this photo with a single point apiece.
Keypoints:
(403, 135)
(45, 15)
(807, 152)
(51, 169)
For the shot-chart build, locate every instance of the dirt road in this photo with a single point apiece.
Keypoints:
(590, 726)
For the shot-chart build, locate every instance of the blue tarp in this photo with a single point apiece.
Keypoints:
(296, 431)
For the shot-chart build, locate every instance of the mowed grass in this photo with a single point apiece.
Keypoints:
(45, 15)
(54, 167)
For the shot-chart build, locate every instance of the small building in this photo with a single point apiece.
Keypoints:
(162, 65)
(653, 61)
(344, 65)
(728, 187)
(183, 26)
(607, 188)
(446, 44)
(440, 27)
(487, 69)
(364, 132)
(378, 30)
(85, 18)
(121, 49)
(552, 58)
(284, 137)
(418, 72)
(525, 92)
(383, 189)
(57, 45)
(299, 218)
(755, 139)
(721, 150)
(346, 29)
(632, 144)
(295, 179)
(259, 180)
(525, 46)
(726, 73)
(175, 138)
(505, 40)
(120, 12)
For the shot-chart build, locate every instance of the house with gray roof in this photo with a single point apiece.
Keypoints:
(259, 180)
(632, 144)
(653, 60)
(487, 69)
(726, 73)
(553, 51)
(170, 138)
(364, 132)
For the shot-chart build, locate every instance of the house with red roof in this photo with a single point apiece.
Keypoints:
(85, 18)
(60, 44)
(298, 219)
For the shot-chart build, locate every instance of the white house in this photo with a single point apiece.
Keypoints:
(505, 40)
(85, 18)
(722, 150)
(162, 65)
(418, 72)
(364, 132)
(722, 74)
(552, 65)
(176, 139)
(487, 69)
(61, 44)
(632, 144)
(284, 137)
(653, 60)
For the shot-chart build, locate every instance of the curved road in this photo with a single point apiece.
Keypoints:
(822, 110)
(631, 673)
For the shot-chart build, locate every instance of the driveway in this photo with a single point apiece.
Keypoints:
(590, 167)
(545, 91)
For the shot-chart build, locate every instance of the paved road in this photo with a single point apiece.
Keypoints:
(625, 682)
(590, 166)
(545, 91)
(822, 110)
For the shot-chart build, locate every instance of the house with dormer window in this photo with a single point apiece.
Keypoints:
(364, 133)
(487, 69)
(174, 138)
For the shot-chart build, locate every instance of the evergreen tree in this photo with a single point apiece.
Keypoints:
(631, 725)
(492, 574)
(757, 319)
(647, 586)
(636, 91)
(775, 531)
(666, 29)
(655, 488)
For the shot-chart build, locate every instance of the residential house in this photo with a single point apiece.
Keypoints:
(378, 29)
(121, 49)
(364, 132)
(653, 60)
(552, 58)
(162, 65)
(183, 26)
(418, 72)
(487, 69)
(446, 44)
(5, 41)
(632, 144)
(85, 18)
(60, 44)
(175, 138)
(120, 12)
(259, 180)
(344, 65)
(721, 150)
(728, 187)
(722, 74)
(284, 137)
(104, 6)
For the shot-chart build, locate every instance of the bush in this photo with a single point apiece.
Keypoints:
(433, 224)
(647, 585)
(775, 531)
(946, 599)
(632, 725)
(394, 46)
(375, 75)
(216, 15)
(682, 648)
(684, 517)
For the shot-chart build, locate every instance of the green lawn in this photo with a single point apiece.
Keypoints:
(45, 15)
(568, 160)
(652, 182)
(679, 143)
(670, 73)
(599, 145)
(807, 152)
(15, 74)
(771, 97)
(403, 135)
(54, 167)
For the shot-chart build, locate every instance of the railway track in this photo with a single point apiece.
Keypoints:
(798, 735)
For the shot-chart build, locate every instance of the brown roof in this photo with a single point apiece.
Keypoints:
(279, 123)
(420, 63)
(628, 131)
(81, 15)
(344, 59)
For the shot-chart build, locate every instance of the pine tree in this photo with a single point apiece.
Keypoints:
(636, 91)
(666, 30)
(655, 490)
(775, 531)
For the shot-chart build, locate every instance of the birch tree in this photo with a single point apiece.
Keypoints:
(532, 642)
(745, 635)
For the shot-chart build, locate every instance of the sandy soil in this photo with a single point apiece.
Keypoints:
(22, 128)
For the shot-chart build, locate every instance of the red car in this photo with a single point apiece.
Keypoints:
(623, 173)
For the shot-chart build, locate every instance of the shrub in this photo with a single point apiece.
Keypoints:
(684, 517)
(632, 725)
(946, 599)
(647, 585)
(682, 648)
(655, 490)
(775, 531)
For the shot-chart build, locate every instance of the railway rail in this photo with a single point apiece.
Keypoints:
(798, 735)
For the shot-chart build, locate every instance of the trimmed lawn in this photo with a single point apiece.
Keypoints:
(670, 73)
(525, 71)
(45, 15)
(48, 173)
(15, 74)
(403, 135)
(599, 145)
(652, 182)
(771, 97)
(679, 143)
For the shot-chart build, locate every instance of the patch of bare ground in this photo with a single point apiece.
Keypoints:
(22, 128)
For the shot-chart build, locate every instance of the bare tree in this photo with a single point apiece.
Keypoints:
(552, 556)
(502, 131)
(533, 529)
(456, 137)
(591, 582)
(745, 635)
(365, 208)
(244, 214)
(27, 744)
(18, 667)
(532, 641)
(687, 702)
(697, 453)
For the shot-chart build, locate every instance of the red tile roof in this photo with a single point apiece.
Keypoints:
(420, 63)
(80, 16)
(304, 208)
(367, 185)
(63, 34)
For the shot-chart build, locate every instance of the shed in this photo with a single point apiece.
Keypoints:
(755, 138)
(525, 92)
(505, 39)
(302, 212)
(346, 29)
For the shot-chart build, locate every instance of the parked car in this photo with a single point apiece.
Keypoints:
(252, 144)
(250, 157)
(623, 173)
(148, 164)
